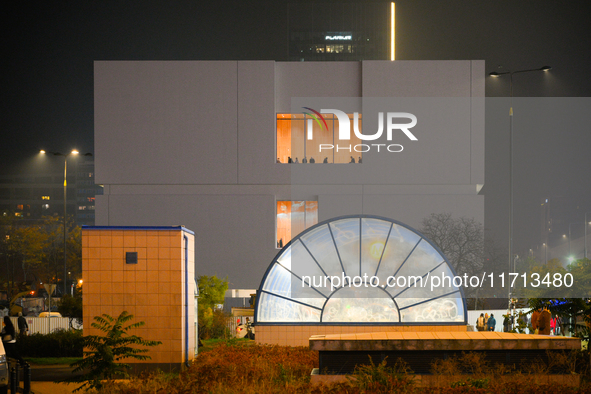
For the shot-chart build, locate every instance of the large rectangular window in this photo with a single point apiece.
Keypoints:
(302, 139)
(293, 217)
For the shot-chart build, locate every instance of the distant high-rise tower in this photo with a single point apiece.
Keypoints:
(339, 31)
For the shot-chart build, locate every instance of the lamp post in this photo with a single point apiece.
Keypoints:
(496, 75)
(65, 156)
(569, 237)
(545, 253)
(586, 224)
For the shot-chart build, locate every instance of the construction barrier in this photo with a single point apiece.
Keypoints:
(45, 325)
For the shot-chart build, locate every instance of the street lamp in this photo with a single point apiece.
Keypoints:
(495, 74)
(586, 224)
(545, 253)
(65, 156)
(569, 236)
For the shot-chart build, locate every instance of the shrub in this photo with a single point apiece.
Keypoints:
(101, 360)
(382, 378)
(60, 343)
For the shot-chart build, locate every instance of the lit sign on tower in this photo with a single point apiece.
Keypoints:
(338, 36)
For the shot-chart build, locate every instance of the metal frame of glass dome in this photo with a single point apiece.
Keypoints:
(312, 306)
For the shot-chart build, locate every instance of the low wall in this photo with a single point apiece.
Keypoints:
(299, 335)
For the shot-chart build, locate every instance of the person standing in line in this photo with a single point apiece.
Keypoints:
(534, 321)
(480, 322)
(492, 323)
(23, 327)
(9, 340)
(506, 325)
(544, 321)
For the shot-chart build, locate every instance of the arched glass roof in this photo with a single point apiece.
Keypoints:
(360, 270)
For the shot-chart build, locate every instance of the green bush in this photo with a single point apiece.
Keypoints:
(60, 343)
(102, 359)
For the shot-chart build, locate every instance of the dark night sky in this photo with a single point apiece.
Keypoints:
(47, 73)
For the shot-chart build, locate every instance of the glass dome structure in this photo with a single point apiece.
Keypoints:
(360, 270)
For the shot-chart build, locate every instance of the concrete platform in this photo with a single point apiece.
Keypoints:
(339, 354)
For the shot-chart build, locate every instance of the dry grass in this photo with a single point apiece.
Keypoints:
(249, 369)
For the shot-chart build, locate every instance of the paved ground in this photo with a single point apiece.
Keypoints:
(43, 376)
(51, 388)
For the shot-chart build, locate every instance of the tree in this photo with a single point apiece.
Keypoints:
(53, 267)
(101, 360)
(212, 291)
(39, 249)
(29, 243)
(71, 307)
(460, 239)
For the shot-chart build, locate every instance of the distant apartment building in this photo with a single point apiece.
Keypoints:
(39, 192)
(339, 31)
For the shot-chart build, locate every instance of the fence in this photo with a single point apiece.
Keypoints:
(43, 325)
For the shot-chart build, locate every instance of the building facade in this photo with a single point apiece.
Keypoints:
(225, 148)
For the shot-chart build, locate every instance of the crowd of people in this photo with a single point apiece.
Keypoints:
(486, 323)
(312, 160)
(541, 322)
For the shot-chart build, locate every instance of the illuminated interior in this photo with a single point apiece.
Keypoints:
(295, 288)
(293, 217)
(293, 146)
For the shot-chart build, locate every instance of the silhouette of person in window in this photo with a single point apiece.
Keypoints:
(278, 161)
(325, 160)
(312, 160)
(359, 160)
(289, 159)
(352, 160)
(304, 160)
(296, 160)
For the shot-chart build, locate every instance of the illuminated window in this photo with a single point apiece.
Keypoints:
(45, 197)
(45, 206)
(18, 214)
(303, 139)
(293, 217)
(20, 207)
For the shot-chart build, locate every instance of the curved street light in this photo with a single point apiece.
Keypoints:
(65, 156)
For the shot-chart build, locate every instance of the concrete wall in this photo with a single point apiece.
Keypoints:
(194, 143)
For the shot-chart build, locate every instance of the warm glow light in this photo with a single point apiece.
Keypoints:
(392, 31)
(42, 151)
(376, 250)
(75, 152)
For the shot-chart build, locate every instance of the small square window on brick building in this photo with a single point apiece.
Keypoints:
(131, 257)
